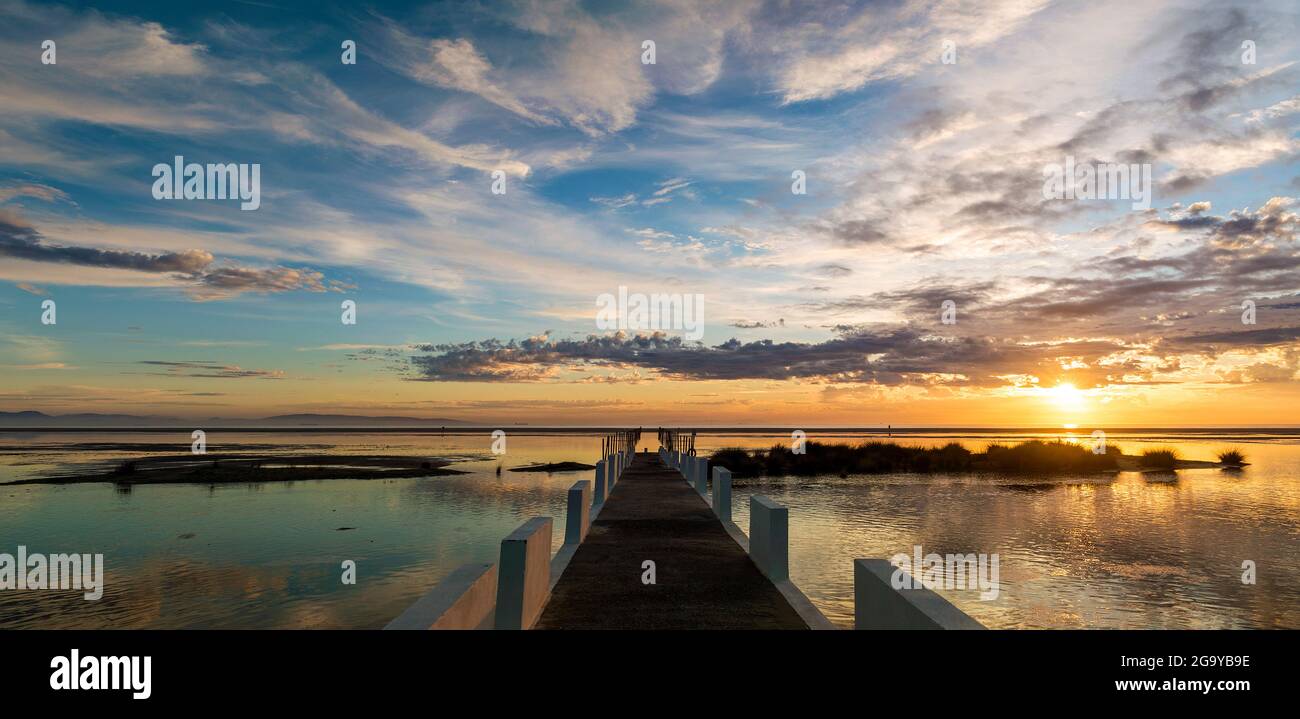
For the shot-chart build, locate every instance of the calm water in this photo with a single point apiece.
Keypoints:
(270, 554)
(1133, 551)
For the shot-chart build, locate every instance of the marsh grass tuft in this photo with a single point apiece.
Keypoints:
(1163, 458)
(1232, 457)
(877, 457)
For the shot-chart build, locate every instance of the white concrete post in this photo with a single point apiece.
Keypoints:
(878, 605)
(769, 537)
(702, 475)
(525, 578)
(599, 496)
(462, 600)
(579, 512)
(722, 493)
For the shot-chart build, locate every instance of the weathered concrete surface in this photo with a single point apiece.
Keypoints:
(524, 575)
(704, 580)
(878, 605)
(465, 599)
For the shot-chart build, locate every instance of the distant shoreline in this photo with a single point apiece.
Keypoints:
(243, 469)
(462, 429)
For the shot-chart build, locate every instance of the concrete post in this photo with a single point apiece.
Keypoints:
(463, 600)
(599, 496)
(578, 516)
(769, 537)
(878, 605)
(722, 493)
(702, 475)
(525, 574)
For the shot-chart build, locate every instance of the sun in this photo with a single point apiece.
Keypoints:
(1066, 396)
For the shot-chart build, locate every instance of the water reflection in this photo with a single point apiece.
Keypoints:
(270, 554)
(1132, 550)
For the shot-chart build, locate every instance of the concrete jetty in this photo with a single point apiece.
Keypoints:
(702, 577)
(649, 544)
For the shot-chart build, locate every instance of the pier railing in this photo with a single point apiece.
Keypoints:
(512, 593)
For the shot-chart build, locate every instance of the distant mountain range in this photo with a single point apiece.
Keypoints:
(31, 418)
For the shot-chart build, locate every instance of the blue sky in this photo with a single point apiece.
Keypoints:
(923, 185)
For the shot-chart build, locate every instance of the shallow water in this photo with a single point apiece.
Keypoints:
(1133, 551)
(270, 554)
(1073, 552)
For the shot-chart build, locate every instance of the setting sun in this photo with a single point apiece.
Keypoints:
(1067, 396)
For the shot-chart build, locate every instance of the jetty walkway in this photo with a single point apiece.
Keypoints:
(650, 544)
(702, 576)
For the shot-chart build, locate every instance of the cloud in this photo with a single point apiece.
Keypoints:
(21, 241)
(890, 356)
(192, 268)
(117, 49)
(208, 370)
(567, 64)
(33, 189)
(662, 193)
(458, 65)
(842, 50)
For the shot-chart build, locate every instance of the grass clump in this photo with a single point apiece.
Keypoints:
(888, 458)
(1232, 457)
(1039, 457)
(1158, 459)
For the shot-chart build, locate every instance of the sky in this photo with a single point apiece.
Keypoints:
(485, 172)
